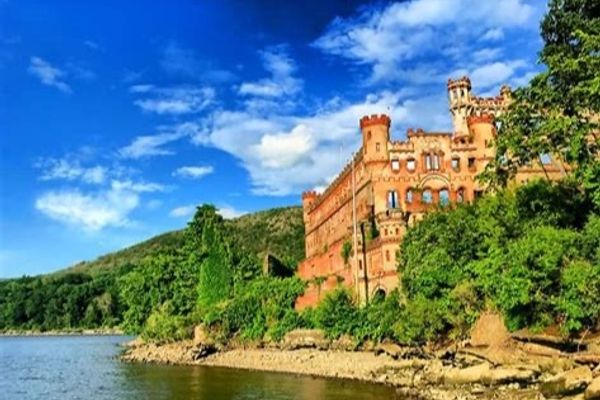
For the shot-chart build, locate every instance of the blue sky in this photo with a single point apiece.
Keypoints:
(117, 118)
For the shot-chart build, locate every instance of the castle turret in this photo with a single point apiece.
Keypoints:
(308, 198)
(376, 136)
(483, 130)
(459, 97)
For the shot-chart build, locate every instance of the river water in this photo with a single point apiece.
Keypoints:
(85, 367)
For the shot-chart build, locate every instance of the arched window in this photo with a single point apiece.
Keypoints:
(444, 197)
(460, 195)
(432, 161)
(409, 196)
(379, 295)
(392, 200)
(427, 196)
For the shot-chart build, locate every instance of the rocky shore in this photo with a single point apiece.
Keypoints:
(493, 364)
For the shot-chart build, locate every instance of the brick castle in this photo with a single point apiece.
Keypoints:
(395, 183)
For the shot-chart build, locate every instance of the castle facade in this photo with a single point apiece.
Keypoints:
(394, 183)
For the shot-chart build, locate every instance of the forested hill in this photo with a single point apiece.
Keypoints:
(278, 231)
(99, 293)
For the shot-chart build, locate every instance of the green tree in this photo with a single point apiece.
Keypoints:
(557, 113)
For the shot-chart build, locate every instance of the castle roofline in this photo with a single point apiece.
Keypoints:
(309, 194)
(375, 119)
(411, 132)
(480, 119)
(460, 82)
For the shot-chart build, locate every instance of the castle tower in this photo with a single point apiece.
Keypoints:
(308, 198)
(375, 131)
(461, 106)
(483, 130)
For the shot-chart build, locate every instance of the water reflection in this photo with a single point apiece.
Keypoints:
(86, 368)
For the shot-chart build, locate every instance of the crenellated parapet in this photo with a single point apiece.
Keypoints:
(309, 195)
(463, 82)
(480, 119)
(375, 119)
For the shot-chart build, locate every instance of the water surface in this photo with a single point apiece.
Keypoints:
(84, 367)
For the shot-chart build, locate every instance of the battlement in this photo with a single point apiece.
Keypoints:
(309, 195)
(459, 83)
(480, 119)
(375, 119)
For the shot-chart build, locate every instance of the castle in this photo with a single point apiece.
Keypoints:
(394, 184)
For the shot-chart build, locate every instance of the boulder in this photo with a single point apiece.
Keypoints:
(345, 343)
(201, 335)
(593, 390)
(488, 330)
(501, 376)
(305, 338)
(391, 349)
(570, 382)
(475, 374)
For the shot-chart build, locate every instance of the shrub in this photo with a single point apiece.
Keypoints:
(578, 302)
(337, 314)
(161, 326)
(264, 305)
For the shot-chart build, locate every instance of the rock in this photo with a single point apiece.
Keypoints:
(344, 342)
(502, 376)
(203, 350)
(477, 373)
(593, 390)
(391, 349)
(570, 382)
(488, 330)
(201, 335)
(596, 371)
(305, 338)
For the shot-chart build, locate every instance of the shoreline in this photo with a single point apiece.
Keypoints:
(510, 368)
(69, 332)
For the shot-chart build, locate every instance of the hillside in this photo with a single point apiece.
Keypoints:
(279, 231)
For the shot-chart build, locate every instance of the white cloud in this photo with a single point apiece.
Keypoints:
(494, 73)
(48, 74)
(150, 145)
(228, 212)
(90, 211)
(174, 100)
(285, 154)
(438, 35)
(138, 187)
(493, 34)
(281, 82)
(194, 172)
(69, 168)
(183, 211)
(283, 150)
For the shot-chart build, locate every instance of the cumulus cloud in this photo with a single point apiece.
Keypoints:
(150, 145)
(439, 35)
(229, 212)
(70, 168)
(48, 74)
(281, 67)
(194, 172)
(173, 100)
(90, 211)
(183, 211)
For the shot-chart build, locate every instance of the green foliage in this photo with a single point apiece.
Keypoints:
(264, 306)
(557, 112)
(578, 302)
(162, 326)
(337, 314)
(346, 251)
(516, 251)
(209, 240)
